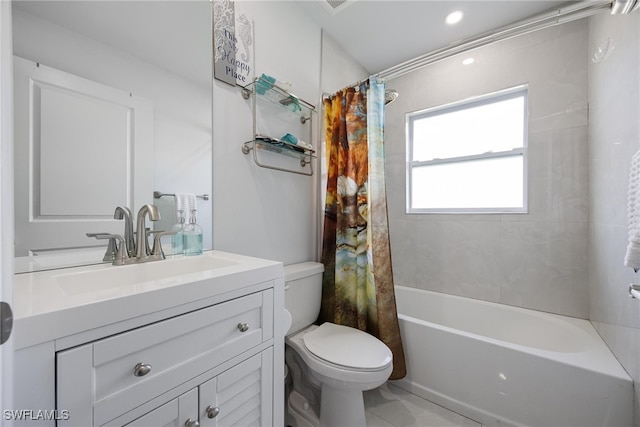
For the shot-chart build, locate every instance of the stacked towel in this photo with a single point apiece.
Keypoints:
(291, 139)
(264, 83)
(292, 103)
(632, 258)
(185, 202)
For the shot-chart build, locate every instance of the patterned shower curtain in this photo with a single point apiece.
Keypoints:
(357, 287)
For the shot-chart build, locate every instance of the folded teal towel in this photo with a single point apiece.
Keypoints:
(268, 79)
(290, 139)
(295, 105)
(264, 83)
(291, 102)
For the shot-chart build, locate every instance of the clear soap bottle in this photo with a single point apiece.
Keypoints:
(177, 245)
(192, 236)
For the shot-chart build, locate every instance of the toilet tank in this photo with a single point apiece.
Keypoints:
(303, 293)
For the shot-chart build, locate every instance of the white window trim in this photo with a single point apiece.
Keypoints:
(459, 105)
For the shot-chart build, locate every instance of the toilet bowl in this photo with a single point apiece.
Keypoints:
(330, 365)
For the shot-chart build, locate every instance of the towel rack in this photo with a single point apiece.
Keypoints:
(157, 195)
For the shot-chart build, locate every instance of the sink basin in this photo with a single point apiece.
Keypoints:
(108, 277)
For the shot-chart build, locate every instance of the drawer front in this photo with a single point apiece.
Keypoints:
(133, 367)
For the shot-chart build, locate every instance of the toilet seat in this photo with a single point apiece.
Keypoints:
(347, 347)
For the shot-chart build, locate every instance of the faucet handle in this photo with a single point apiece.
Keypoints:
(112, 247)
(116, 250)
(157, 246)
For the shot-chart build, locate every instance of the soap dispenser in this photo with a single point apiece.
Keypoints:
(192, 235)
(177, 245)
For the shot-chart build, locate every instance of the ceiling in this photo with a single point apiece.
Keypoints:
(379, 34)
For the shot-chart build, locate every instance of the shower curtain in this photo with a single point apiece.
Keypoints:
(357, 288)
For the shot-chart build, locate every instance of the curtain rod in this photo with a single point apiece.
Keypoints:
(355, 85)
(537, 22)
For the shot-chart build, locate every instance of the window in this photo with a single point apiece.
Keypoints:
(469, 157)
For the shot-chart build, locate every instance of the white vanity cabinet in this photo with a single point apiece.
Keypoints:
(101, 381)
(212, 361)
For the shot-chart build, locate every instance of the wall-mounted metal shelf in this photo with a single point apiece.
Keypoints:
(280, 97)
(273, 145)
(287, 101)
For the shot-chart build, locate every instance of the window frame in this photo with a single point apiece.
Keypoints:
(489, 98)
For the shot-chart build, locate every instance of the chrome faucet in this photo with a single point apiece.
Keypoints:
(123, 212)
(133, 248)
(142, 249)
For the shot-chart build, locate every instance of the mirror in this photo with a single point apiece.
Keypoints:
(157, 55)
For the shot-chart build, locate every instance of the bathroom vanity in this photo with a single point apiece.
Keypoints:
(187, 341)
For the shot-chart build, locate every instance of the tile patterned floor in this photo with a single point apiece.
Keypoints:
(390, 406)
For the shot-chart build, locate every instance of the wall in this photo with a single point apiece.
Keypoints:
(614, 136)
(182, 107)
(339, 69)
(262, 212)
(536, 260)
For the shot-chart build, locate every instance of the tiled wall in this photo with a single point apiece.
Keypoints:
(536, 260)
(614, 136)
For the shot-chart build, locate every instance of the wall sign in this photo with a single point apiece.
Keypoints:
(233, 44)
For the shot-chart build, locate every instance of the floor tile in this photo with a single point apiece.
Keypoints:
(375, 421)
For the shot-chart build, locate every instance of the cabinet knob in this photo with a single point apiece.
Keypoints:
(212, 412)
(141, 369)
(191, 423)
(243, 327)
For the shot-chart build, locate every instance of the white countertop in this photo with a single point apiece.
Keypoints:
(58, 303)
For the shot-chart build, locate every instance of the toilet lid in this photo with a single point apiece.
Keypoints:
(348, 347)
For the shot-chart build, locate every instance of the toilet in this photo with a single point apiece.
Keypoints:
(330, 365)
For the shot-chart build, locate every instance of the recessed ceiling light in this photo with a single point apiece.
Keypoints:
(454, 17)
(468, 61)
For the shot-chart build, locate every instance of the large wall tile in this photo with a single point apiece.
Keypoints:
(537, 259)
(544, 266)
(459, 258)
(558, 176)
(614, 136)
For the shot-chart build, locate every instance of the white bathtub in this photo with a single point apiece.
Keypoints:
(502, 365)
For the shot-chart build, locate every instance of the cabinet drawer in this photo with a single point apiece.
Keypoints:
(172, 351)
